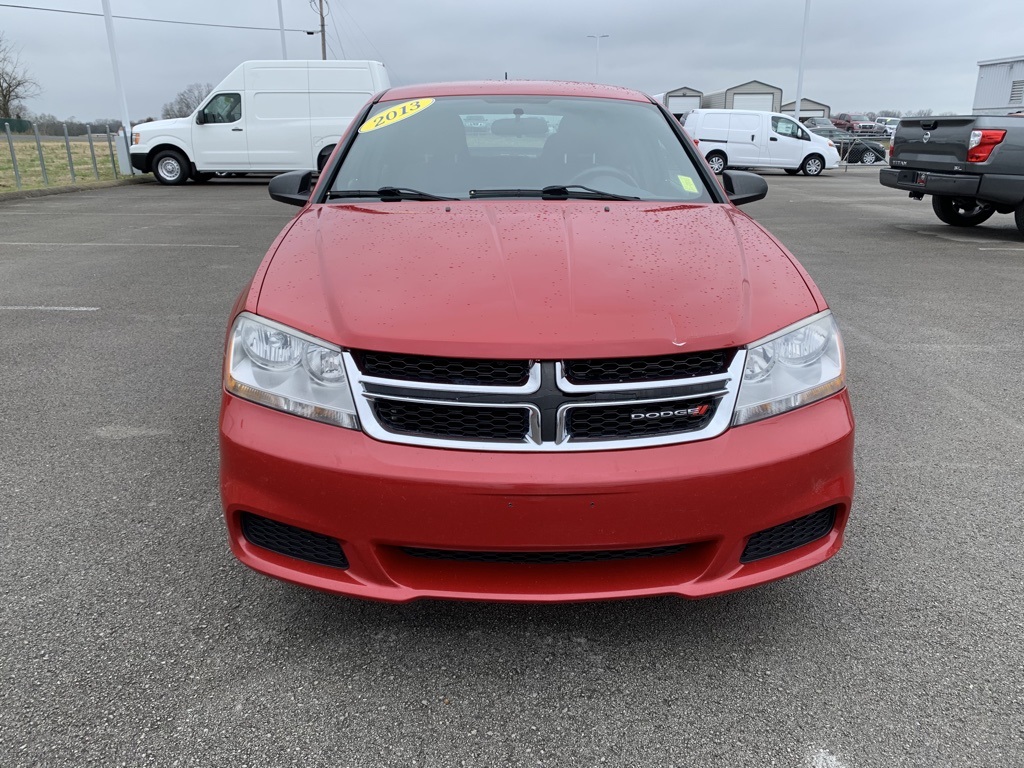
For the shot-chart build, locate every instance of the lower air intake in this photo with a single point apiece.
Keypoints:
(542, 558)
(293, 542)
(795, 533)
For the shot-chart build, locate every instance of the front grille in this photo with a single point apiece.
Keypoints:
(545, 405)
(444, 370)
(452, 421)
(542, 558)
(643, 369)
(795, 533)
(641, 420)
(293, 542)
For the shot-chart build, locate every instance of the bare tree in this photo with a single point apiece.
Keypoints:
(185, 103)
(16, 83)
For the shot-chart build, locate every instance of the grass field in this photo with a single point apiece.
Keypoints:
(55, 157)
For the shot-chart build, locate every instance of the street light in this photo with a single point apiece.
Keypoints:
(597, 57)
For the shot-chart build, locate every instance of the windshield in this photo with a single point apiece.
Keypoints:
(455, 146)
(860, 118)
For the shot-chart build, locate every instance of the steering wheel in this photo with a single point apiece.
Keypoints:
(602, 170)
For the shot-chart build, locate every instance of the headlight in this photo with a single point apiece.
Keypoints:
(279, 367)
(797, 366)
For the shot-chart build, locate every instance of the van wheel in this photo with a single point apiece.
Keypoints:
(962, 211)
(321, 159)
(717, 161)
(792, 171)
(1018, 216)
(170, 167)
(813, 165)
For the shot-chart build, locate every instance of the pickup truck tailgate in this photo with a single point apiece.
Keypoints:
(933, 144)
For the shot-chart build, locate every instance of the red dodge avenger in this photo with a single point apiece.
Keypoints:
(519, 344)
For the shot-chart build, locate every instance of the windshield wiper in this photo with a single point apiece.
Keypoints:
(553, 192)
(388, 194)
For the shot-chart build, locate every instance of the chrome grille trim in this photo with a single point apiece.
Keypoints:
(532, 384)
(723, 388)
(532, 436)
(563, 413)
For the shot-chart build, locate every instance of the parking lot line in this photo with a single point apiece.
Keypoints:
(51, 309)
(136, 245)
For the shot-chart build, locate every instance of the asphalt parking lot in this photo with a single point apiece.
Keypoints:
(130, 636)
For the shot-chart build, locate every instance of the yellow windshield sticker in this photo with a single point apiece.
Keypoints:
(687, 184)
(395, 114)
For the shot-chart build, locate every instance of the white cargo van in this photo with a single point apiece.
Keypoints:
(266, 116)
(745, 139)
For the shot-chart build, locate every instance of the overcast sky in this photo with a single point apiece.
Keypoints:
(861, 56)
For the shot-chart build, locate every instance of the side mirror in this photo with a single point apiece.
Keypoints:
(743, 187)
(294, 187)
(201, 117)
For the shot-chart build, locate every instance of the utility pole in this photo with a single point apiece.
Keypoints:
(597, 57)
(280, 21)
(323, 33)
(125, 119)
(800, 70)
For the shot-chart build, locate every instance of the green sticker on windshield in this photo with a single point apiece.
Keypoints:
(687, 184)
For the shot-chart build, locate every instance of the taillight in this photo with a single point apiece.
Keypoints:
(981, 145)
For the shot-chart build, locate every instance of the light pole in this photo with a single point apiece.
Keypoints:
(597, 57)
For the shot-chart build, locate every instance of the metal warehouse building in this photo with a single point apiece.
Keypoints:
(1000, 88)
(681, 100)
(754, 95)
(808, 108)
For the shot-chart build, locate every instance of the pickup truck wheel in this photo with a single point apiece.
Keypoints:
(961, 212)
(813, 165)
(868, 157)
(170, 167)
(717, 161)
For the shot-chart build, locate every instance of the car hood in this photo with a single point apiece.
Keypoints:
(537, 279)
(160, 126)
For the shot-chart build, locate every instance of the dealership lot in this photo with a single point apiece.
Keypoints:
(131, 636)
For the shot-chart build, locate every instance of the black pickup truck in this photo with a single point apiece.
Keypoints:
(972, 166)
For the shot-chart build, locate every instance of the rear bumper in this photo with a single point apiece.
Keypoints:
(992, 188)
(377, 500)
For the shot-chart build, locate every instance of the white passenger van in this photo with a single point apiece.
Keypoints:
(265, 116)
(744, 139)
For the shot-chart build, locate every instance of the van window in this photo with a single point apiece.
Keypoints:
(786, 127)
(223, 108)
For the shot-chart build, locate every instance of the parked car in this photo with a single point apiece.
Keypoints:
(853, 149)
(746, 139)
(855, 123)
(887, 124)
(816, 122)
(527, 368)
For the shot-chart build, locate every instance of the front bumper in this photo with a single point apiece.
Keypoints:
(140, 161)
(378, 499)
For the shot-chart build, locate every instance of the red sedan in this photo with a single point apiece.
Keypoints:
(546, 359)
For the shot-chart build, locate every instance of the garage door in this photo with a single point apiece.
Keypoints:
(677, 105)
(762, 102)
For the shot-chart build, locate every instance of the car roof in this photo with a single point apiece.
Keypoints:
(513, 88)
